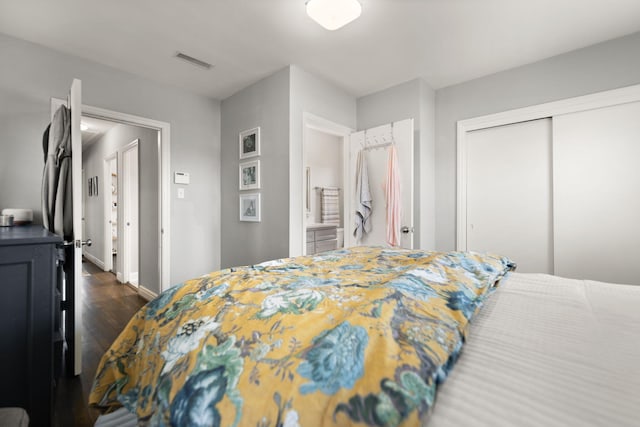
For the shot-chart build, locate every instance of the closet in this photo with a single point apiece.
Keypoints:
(509, 193)
(555, 187)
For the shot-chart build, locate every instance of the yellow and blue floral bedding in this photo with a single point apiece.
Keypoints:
(360, 336)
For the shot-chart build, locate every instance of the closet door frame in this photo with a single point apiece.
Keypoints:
(549, 109)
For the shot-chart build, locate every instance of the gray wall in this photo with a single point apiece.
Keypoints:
(93, 165)
(276, 104)
(414, 99)
(310, 94)
(264, 104)
(600, 67)
(31, 74)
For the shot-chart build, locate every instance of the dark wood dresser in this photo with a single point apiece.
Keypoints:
(30, 324)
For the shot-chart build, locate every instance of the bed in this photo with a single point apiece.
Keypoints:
(372, 336)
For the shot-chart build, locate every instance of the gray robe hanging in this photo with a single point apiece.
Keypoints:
(57, 202)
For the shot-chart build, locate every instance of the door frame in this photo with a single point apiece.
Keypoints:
(106, 220)
(313, 122)
(164, 178)
(549, 109)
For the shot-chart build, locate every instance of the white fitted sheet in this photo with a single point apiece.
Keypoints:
(546, 351)
(543, 351)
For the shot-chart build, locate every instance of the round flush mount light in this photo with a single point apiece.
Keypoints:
(333, 14)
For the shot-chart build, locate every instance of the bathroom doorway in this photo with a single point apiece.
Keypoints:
(326, 187)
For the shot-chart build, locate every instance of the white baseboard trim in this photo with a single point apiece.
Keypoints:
(133, 278)
(94, 260)
(146, 293)
(119, 277)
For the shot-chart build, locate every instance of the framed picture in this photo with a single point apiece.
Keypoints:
(250, 207)
(249, 175)
(249, 141)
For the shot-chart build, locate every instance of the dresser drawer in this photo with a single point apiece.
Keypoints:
(326, 245)
(311, 248)
(326, 234)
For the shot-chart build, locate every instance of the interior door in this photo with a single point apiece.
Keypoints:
(597, 196)
(376, 142)
(509, 194)
(74, 315)
(130, 243)
(72, 291)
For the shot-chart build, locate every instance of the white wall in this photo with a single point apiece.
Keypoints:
(93, 161)
(31, 74)
(324, 155)
(600, 67)
(414, 99)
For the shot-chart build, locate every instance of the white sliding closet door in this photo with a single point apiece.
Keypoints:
(508, 193)
(597, 194)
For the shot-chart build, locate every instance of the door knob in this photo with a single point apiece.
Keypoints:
(80, 243)
(406, 230)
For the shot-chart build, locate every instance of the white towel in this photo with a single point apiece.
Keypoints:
(394, 199)
(330, 205)
(363, 198)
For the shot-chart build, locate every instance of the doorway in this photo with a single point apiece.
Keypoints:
(325, 161)
(156, 195)
(111, 212)
(124, 160)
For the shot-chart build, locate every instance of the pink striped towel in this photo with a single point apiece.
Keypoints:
(394, 199)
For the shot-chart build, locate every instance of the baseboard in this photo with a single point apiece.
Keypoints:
(119, 277)
(96, 261)
(146, 293)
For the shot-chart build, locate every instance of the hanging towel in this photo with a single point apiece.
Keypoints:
(363, 198)
(57, 214)
(330, 205)
(393, 196)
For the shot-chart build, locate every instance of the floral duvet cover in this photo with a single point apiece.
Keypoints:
(350, 337)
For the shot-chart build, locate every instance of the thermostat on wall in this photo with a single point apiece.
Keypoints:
(181, 178)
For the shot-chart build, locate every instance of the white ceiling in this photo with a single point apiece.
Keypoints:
(96, 130)
(443, 41)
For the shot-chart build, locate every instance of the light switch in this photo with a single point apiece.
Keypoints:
(180, 193)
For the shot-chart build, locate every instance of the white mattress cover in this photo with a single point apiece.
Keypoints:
(547, 351)
(544, 351)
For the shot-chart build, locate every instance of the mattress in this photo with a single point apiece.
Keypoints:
(544, 351)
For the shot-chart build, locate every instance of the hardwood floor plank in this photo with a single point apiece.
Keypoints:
(107, 305)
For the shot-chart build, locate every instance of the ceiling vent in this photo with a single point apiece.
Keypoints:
(194, 61)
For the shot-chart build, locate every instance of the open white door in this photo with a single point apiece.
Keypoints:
(375, 143)
(75, 347)
(72, 292)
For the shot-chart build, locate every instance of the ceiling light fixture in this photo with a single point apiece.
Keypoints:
(84, 127)
(333, 14)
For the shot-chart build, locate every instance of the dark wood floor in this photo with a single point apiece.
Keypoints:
(107, 307)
